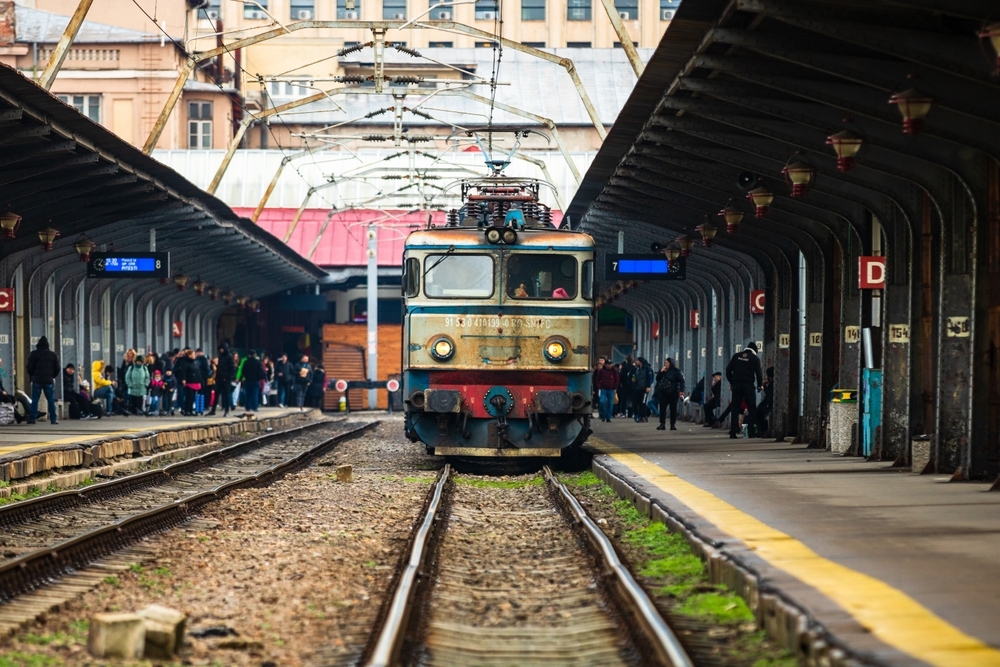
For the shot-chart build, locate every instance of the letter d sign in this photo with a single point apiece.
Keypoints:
(871, 272)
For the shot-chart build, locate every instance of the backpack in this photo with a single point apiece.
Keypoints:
(666, 386)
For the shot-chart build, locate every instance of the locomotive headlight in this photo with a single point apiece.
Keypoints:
(493, 235)
(509, 236)
(555, 349)
(442, 348)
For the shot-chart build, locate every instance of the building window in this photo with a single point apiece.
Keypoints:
(254, 11)
(303, 10)
(394, 9)
(88, 105)
(440, 13)
(618, 45)
(535, 45)
(578, 10)
(667, 9)
(486, 45)
(212, 11)
(627, 9)
(486, 10)
(577, 45)
(199, 124)
(532, 10)
(441, 45)
(348, 9)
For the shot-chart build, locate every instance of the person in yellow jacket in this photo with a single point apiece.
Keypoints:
(103, 387)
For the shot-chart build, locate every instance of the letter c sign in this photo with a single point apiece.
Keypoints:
(757, 301)
(6, 299)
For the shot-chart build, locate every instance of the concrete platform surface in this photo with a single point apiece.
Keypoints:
(908, 565)
(23, 437)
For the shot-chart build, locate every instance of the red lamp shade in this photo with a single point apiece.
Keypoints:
(761, 198)
(708, 232)
(686, 244)
(800, 175)
(733, 217)
(9, 222)
(914, 107)
(48, 236)
(84, 247)
(846, 145)
(992, 33)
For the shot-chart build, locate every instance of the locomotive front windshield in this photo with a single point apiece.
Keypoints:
(459, 276)
(541, 276)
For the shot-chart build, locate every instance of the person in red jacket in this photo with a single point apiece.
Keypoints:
(606, 380)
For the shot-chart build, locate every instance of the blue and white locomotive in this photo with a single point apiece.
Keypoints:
(499, 324)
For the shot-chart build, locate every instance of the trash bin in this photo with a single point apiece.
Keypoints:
(843, 420)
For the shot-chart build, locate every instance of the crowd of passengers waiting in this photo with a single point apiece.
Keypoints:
(182, 381)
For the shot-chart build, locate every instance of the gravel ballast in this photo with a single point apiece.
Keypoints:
(293, 574)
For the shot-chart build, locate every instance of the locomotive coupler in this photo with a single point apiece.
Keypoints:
(500, 403)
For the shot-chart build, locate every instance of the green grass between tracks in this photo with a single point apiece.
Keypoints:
(671, 570)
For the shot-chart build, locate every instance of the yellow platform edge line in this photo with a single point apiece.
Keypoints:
(891, 615)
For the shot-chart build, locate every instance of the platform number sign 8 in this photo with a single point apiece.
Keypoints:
(816, 340)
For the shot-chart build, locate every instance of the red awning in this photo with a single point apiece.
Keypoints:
(344, 239)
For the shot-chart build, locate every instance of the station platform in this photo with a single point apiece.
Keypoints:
(27, 450)
(900, 568)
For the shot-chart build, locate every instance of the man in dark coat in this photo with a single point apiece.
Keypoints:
(205, 369)
(766, 404)
(745, 378)
(43, 368)
(253, 375)
(669, 388)
(283, 379)
(225, 373)
(642, 385)
(715, 400)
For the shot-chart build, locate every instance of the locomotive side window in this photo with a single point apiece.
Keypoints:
(459, 276)
(588, 279)
(411, 278)
(537, 276)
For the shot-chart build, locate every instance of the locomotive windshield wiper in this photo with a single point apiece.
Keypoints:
(433, 266)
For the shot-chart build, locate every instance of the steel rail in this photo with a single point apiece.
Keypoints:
(28, 510)
(662, 638)
(39, 568)
(390, 639)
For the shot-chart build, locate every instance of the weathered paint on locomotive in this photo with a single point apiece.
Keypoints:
(500, 340)
(498, 346)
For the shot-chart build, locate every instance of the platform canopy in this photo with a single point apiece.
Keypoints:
(744, 94)
(60, 170)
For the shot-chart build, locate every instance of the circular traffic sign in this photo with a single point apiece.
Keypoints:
(392, 385)
(341, 385)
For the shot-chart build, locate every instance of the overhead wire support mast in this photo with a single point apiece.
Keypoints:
(448, 26)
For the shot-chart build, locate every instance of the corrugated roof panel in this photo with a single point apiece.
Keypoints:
(35, 25)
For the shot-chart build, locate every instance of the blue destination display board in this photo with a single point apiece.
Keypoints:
(129, 265)
(644, 267)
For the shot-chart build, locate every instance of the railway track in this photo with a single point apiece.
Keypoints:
(56, 535)
(516, 576)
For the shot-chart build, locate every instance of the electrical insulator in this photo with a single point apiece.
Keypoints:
(453, 218)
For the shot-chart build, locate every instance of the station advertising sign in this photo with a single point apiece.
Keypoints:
(695, 319)
(871, 272)
(757, 301)
(129, 265)
(6, 299)
(644, 267)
